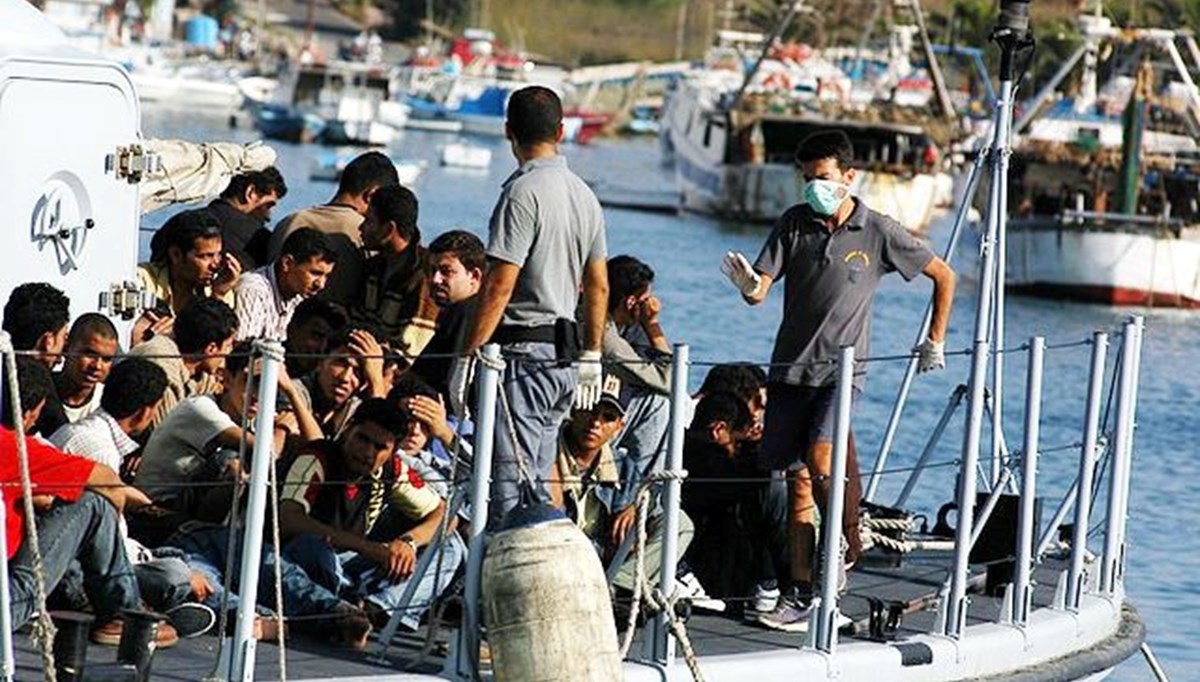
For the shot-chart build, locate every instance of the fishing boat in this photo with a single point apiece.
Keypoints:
(337, 103)
(1027, 601)
(328, 167)
(1109, 202)
(732, 130)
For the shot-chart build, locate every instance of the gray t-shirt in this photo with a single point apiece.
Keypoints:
(181, 447)
(829, 284)
(548, 223)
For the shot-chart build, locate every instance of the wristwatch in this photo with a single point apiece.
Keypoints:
(411, 542)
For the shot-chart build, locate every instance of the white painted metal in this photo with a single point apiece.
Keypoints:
(467, 651)
(1087, 469)
(825, 637)
(664, 645)
(1022, 587)
(52, 192)
(1114, 531)
(242, 663)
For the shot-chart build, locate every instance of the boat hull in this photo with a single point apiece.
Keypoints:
(1123, 265)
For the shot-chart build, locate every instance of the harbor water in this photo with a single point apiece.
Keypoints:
(701, 308)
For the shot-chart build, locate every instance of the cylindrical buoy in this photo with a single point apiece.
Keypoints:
(546, 606)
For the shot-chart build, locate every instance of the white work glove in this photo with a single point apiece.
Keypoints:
(930, 355)
(738, 270)
(587, 391)
(461, 373)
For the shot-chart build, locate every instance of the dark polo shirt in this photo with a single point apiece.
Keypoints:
(830, 281)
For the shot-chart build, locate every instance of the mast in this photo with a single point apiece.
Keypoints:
(1133, 122)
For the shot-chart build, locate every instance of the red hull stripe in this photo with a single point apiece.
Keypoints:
(1110, 295)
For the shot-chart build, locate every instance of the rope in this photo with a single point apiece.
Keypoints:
(872, 533)
(639, 578)
(43, 627)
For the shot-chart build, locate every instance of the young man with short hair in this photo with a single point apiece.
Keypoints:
(395, 300)
(187, 262)
(106, 437)
(314, 322)
(199, 440)
(267, 298)
(340, 220)
(546, 244)
(243, 210)
(77, 503)
(91, 347)
(355, 518)
(456, 265)
(353, 366)
(203, 336)
(833, 251)
(36, 316)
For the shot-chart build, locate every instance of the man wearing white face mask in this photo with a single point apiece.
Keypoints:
(833, 251)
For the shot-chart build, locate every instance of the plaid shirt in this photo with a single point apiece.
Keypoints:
(262, 313)
(97, 437)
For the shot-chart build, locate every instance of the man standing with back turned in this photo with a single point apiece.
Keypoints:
(833, 250)
(546, 239)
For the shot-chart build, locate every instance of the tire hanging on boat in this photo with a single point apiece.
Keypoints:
(546, 606)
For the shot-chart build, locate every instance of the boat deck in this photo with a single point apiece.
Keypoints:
(915, 583)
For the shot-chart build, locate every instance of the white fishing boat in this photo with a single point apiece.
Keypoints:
(328, 167)
(732, 135)
(922, 612)
(1109, 207)
(462, 155)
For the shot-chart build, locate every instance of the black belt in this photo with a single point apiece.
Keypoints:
(514, 334)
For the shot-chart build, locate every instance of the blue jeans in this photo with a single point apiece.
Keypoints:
(354, 578)
(538, 393)
(85, 531)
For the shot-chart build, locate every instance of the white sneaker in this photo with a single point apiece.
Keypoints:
(765, 597)
(688, 587)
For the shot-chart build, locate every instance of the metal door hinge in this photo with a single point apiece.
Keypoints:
(126, 300)
(132, 163)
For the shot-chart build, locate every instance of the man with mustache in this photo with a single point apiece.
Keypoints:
(91, 346)
(267, 297)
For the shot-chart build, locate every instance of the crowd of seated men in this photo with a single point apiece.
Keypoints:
(138, 446)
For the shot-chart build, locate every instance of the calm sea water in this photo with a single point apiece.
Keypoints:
(701, 309)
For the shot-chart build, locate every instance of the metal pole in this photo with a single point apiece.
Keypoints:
(831, 534)
(893, 424)
(1022, 591)
(1087, 469)
(6, 635)
(1114, 540)
(1064, 506)
(981, 519)
(664, 645)
(934, 438)
(956, 605)
(481, 479)
(242, 661)
(1151, 660)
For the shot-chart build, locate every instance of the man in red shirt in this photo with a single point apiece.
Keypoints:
(78, 502)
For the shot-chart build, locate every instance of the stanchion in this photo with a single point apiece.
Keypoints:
(6, 638)
(1087, 469)
(1114, 539)
(664, 645)
(467, 653)
(1022, 590)
(241, 664)
(825, 637)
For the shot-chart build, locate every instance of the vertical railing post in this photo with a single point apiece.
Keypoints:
(825, 639)
(9, 668)
(1087, 470)
(956, 604)
(664, 645)
(1022, 591)
(467, 653)
(242, 661)
(1114, 532)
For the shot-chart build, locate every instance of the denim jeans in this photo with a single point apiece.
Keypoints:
(355, 578)
(164, 583)
(538, 393)
(85, 531)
